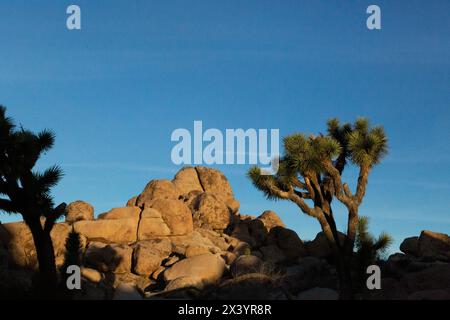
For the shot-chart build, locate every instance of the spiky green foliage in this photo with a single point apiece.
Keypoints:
(368, 248)
(26, 191)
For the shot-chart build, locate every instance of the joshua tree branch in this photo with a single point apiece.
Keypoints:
(337, 181)
(362, 183)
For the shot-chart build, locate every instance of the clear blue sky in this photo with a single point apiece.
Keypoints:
(114, 91)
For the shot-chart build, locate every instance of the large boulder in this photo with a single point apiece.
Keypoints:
(107, 230)
(195, 240)
(207, 267)
(185, 282)
(187, 180)
(214, 181)
(410, 246)
(251, 231)
(91, 275)
(319, 247)
(152, 225)
(270, 220)
(79, 210)
(435, 246)
(149, 255)
(176, 215)
(246, 264)
(158, 189)
(273, 254)
(211, 212)
(108, 257)
(252, 286)
(20, 245)
(308, 273)
(121, 213)
(288, 241)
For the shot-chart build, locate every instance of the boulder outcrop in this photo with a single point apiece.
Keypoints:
(185, 238)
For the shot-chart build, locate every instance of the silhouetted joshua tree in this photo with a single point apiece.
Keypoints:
(310, 175)
(27, 192)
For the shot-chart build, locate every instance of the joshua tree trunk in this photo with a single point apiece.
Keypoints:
(45, 255)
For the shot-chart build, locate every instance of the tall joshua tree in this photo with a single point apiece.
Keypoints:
(27, 192)
(310, 175)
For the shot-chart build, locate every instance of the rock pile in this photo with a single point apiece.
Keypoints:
(185, 238)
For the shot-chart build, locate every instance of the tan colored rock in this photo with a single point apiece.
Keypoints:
(208, 268)
(158, 189)
(181, 243)
(20, 245)
(118, 231)
(434, 245)
(19, 242)
(149, 255)
(121, 213)
(152, 225)
(108, 257)
(192, 251)
(210, 211)
(79, 210)
(175, 214)
(132, 202)
(158, 274)
(232, 204)
(187, 180)
(140, 283)
(59, 235)
(185, 282)
(214, 181)
(171, 261)
(91, 274)
(215, 238)
(270, 219)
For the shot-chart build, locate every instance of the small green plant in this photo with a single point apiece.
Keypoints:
(368, 248)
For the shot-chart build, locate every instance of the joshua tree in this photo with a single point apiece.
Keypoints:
(27, 192)
(310, 175)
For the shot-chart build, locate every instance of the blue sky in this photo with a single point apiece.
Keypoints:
(114, 92)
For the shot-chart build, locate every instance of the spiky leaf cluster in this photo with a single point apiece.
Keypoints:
(306, 156)
(24, 190)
